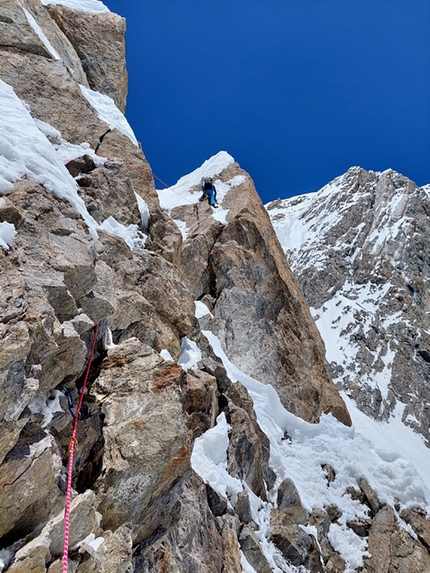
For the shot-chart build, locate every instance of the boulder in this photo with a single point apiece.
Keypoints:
(147, 451)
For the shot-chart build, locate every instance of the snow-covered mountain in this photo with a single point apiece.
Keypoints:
(360, 250)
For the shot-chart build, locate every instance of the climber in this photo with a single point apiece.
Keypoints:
(209, 191)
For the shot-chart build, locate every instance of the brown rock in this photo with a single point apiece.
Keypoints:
(108, 192)
(289, 502)
(114, 554)
(99, 42)
(26, 479)
(252, 283)
(53, 95)
(370, 496)
(229, 526)
(251, 548)
(420, 523)
(131, 163)
(147, 450)
(17, 33)
(193, 544)
(392, 548)
(59, 42)
(32, 564)
(200, 402)
(249, 450)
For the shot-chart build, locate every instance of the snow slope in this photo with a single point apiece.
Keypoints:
(187, 190)
(351, 453)
(356, 247)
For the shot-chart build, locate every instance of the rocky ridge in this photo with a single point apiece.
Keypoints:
(359, 250)
(138, 503)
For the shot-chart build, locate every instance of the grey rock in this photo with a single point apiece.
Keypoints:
(217, 503)
(370, 496)
(289, 502)
(243, 507)
(364, 255)
(296, 546)
(251, 548)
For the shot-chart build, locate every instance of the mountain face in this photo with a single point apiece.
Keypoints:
(359, 249)
(211, 437)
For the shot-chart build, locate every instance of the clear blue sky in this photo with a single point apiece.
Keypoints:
(297, 91)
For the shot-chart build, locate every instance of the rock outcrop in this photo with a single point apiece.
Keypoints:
(104, 252)
(259, 312)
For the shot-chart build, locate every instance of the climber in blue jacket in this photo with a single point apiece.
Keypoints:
(209, 191)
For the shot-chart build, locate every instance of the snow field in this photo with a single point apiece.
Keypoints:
(298, 450)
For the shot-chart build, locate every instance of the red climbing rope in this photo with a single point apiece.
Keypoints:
(72, 448)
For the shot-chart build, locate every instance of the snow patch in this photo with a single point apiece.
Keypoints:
(7, 234)
(144, 212)
(91, 543)
(25, 150)
(190, 354)
(182, 226)
(47, 406)
(166, 355)
(209, 460)
(202, 309)
(181, 194)
(87, 6)
(108, 112)
(108, 342)
(131, 234)
(40, 34)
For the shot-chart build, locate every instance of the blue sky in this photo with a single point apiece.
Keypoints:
(297, 91)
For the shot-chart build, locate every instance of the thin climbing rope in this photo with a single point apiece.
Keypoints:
(72, 446)
(146, 171)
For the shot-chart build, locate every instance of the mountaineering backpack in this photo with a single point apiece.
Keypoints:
(206, 183)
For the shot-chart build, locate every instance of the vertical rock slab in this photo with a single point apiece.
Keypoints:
(147, 449)
(99, 42)
(261, 316)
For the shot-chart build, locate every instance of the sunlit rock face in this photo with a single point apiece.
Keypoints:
(259, 311)
(359, 249)
(180, 465)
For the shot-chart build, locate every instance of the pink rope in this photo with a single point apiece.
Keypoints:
(72, 445)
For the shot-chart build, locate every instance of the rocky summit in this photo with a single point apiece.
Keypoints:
(211, 436)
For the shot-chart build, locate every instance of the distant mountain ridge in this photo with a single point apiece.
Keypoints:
(360, 248)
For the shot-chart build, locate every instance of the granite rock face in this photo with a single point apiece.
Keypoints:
(259, 312)
(138, 502)
(98, 39)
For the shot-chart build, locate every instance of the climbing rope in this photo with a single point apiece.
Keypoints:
(72, 448)
(144, 171)
(155, 177)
